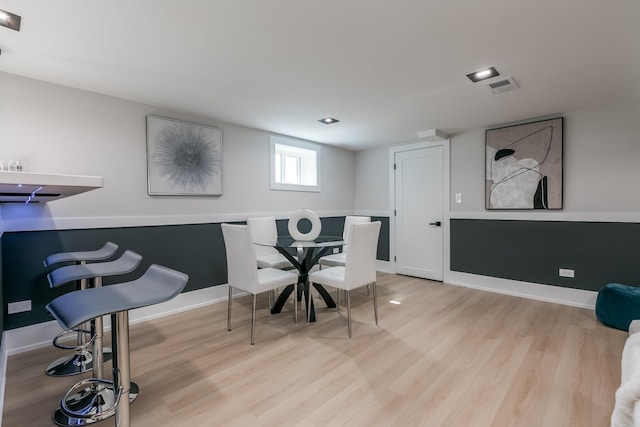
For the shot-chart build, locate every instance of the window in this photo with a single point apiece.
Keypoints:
(295, 165)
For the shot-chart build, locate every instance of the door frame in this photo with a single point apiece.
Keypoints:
(446, 204)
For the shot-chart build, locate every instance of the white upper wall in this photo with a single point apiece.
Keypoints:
(57, 129)
(601, 172)
(601, 153)
(372, 180)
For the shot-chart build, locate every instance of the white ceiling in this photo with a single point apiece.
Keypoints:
(387, 70)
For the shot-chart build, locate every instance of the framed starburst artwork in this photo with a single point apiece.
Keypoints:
(183, 159)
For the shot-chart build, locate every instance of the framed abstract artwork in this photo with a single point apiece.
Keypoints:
(524, 166)
(183, 158)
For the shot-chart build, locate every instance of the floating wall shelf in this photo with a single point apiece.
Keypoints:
(29, 187)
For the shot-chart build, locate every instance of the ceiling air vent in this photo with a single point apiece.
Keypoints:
(502, 85)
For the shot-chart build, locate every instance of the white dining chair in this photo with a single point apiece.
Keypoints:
(263, 230)
(243, 272)
(336, 260)
(359, 269)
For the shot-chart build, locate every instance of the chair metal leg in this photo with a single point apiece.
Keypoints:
(98, 358)
(338, 301)
(349, 312)
(309, 303)
(229, 309)
(123, 418)
(375, 301)
(295, 303)
(253, 320)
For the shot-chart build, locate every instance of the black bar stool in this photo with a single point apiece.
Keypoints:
(158, 284)
(81, 360)
(95, 395)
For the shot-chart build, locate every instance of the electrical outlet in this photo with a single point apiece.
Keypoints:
(19, 306)
(336, 250)
(566, 272)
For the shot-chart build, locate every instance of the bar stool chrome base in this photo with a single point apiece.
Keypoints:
(157, 285)
(96, 403)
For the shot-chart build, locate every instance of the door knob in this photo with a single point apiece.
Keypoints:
(436, 223)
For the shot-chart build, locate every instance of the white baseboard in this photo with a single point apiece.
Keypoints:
(555, 294)
(384, 266)
(183, 302)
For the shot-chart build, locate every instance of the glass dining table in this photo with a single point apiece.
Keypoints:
(307, 254)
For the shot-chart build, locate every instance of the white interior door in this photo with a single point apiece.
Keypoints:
(419, 212)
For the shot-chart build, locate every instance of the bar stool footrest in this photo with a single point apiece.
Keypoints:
(75, 364)
(90, 401)
(56, 340)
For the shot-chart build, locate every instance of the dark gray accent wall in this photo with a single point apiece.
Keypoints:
(384, 246)
(533, 251)
(195, 249)
(1, 296)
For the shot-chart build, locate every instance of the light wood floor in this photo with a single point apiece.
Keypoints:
(444, 356)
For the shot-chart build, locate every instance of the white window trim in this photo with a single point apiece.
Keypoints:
(273, 140)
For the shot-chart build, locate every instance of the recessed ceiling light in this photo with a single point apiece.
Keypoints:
(328, 120)
(9, 20)
(487, 73)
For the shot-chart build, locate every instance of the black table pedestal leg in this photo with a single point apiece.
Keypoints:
(282, 298)
(306, 259)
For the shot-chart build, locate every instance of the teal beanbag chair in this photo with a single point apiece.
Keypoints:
(617, 305)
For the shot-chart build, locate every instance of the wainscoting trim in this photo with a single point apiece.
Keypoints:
(555, 294)
(48, 223)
